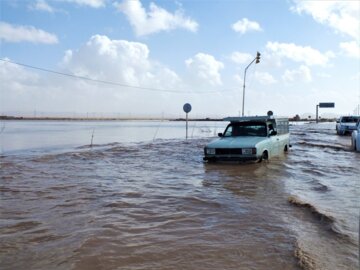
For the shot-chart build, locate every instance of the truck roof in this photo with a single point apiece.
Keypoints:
(253, 118)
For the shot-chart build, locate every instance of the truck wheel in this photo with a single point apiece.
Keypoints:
(264, 156)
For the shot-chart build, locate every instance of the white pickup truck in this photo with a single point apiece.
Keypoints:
(250, 138)
(346, 124)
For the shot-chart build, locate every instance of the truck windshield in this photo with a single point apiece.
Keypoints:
(349, 119)
(246, 129)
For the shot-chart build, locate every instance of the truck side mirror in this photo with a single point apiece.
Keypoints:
(220, 134)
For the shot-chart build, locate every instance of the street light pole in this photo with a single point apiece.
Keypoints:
(257, 59)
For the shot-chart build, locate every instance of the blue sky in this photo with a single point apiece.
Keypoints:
(172, 52)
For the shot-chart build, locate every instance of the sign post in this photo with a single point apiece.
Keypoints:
(187, 109)
(323, 105)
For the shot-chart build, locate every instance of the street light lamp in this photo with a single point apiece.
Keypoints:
(256, 60)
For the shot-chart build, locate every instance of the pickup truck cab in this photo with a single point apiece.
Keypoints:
(251, 138)
(346, 124)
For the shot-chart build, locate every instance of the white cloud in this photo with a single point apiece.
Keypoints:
(296, 53)
(244, 25)
(155, 20)
(324, 75)
(205, 68)
(42, 5)
(264, 78)
(12, 73)
(90, 3)
(15, 33)
(241, 58)
(302, 74)
(238, 79)
(342, 16)
(356, 77)
(118, 61)
(18, 86)
(351, 49)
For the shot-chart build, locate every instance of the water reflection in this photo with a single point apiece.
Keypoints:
(60, 135)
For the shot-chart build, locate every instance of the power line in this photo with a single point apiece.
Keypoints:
(108, 82)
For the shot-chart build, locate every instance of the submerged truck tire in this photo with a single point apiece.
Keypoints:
(264, 157)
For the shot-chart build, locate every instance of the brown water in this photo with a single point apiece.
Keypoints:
(156, 205)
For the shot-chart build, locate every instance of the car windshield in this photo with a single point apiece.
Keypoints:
(246, 129)
(350, 119)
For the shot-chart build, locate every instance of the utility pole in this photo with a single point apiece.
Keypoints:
(257, 59)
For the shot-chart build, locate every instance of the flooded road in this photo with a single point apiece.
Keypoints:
(152, 203)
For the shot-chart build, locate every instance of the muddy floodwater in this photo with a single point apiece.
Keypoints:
(142, 198)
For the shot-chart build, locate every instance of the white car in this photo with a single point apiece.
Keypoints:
(346, 124)
(355, 138)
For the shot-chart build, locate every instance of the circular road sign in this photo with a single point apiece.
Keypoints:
(187, 107)
(270, 113)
